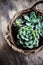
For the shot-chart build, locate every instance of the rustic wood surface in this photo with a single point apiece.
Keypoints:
(7, 56)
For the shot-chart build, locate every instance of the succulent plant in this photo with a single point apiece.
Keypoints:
(41, 29)
(27, 37)
(34, 21)
(33, 17)
(28, 33)
(18, 23)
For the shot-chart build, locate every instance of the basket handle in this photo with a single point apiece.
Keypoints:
(34, 6)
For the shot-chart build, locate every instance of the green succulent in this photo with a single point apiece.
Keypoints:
(41, 29)
(18, 22)
(32, 16)
(27, 37)
(33, 21)
(28, 33)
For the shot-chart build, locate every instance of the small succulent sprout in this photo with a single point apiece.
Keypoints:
(18, 22)
(27, 37)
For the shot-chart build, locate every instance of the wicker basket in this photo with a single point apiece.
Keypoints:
(8, 37)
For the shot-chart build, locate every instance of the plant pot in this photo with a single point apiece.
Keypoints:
(10, 36)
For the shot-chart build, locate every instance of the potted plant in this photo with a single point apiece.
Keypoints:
(25, 31)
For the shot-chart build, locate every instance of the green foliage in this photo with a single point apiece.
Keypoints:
(27, 37)
(32, 15)
(28, 34)
(18, 22)
(27, 18)
(41, 29)
(34, 21)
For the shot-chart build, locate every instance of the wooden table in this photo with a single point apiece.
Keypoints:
(7, 56)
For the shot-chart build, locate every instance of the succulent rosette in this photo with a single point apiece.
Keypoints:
(18, 23)
(34, 21)
(27, 37)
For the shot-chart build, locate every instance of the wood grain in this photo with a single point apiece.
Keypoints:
(7, 56)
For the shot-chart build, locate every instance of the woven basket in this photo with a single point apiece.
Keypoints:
(9, 38)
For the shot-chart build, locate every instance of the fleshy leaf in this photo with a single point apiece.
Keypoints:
(32, 15)
(26, 18)
(41, 29)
